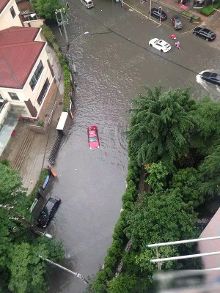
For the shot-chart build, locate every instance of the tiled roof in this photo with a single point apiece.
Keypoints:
(3, 3)
(15, 35)
(18, 55)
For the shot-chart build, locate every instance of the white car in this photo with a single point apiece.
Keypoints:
(160, 45)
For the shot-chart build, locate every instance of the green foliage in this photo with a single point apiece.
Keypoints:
(122, 284)
(160, 124)
(159, 218)
(210, 173)
(11, 190)
(20, 263)
(68, 88)
(207, 129)
(188, 15)
(189, 182)
(210, 9)
(26, 269)
(177, 141)
(157, 176)
(40, 181)
(46, 9)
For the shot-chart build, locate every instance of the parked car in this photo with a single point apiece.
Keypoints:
(160, 45)
(204, 33)
(48, 212)
(177, 23)
(93, 138)
(211, 77)
(158, 13)
(87, 3)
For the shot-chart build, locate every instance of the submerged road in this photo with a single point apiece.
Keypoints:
(114, 63)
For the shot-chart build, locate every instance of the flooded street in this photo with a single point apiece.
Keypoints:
(114, 63)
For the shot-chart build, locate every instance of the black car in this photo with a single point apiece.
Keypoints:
(48, 212)
(158, 13)
(177, 23)
(204, 33)
(211, 77)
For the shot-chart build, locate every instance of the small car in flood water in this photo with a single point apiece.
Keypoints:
(48, 212)
(93, 138)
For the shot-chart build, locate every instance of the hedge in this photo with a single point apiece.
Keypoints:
(188, 15)
(40, 181)
(210, 9)
(115, 252)
(68, 88)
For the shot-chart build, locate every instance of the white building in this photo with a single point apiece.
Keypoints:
(26, 76)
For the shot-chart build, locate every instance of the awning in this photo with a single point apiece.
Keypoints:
(62, 121)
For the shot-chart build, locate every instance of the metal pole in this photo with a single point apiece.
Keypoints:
(156, 260)
(64, 26)
(150, 10)
(78, 275)
(182, 241)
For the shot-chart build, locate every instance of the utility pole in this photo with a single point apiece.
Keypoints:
(62, 21)
(78, 275)
(160, 9)
(150, 10)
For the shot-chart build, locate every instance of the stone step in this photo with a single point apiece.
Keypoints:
(23, 150)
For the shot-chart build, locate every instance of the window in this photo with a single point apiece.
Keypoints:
(36, 75)
(43, 92)
(13, 14)
(13, 96)
(1, 99)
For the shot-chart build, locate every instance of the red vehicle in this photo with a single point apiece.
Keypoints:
(93, 137)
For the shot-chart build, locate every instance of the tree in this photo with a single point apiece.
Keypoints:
(210, 173)
(122, 284)
(159, 218)
(207, 128)
(160, 125)
(47, 8)
(189, 182)
(20, 263)
(157, 173)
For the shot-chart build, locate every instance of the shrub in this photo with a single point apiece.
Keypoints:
(207, 10)
(49, 36)
(115, 252)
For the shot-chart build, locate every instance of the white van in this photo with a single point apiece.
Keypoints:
(87, 3)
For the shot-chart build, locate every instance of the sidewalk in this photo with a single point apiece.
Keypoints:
(211, 21)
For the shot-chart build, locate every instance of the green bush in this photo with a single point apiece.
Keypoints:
(115, 252)
(188, 15)
(210, 9)
(42, 177)
(49, 36)
(207, 10)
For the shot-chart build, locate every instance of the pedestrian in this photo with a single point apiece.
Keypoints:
(172, 37)
(177, 44)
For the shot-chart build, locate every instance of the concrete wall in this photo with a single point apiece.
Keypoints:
(34, 23)
(4, 113)
(6, 19)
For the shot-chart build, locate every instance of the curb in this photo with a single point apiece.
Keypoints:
(164, 5)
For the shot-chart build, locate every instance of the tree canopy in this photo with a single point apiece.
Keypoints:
(21, 268)
(160, 125)
(47, 8)
(174, 141)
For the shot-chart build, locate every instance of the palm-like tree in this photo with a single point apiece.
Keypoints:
(160, 125)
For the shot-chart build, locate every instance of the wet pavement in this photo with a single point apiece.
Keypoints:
(114, 63)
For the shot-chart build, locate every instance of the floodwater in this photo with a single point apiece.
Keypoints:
(109, 49)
